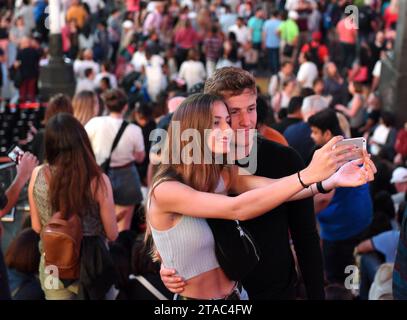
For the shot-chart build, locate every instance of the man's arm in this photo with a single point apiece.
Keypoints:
(301, 220)
(27, 164)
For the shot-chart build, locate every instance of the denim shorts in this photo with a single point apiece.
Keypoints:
(126, 186)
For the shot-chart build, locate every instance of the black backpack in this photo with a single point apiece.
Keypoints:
(314, 56)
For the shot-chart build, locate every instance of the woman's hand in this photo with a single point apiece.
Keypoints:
(171, 280)
(355, 173)
(327, 160)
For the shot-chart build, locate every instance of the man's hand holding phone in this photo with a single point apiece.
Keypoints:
(15, 154)
(26, 165)
(26, 162)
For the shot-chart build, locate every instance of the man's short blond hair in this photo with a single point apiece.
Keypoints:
(230, 81)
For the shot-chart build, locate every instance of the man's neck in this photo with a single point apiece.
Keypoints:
(294, 116)
(116, 115)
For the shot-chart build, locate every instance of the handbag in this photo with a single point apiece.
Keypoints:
(235, 248)
(106, 164)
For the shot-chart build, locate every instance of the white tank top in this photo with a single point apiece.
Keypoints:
(189, 246)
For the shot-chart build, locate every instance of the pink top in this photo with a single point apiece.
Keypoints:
(186, 38)
(132, 5)
(66, 43)
(346, 34)
(390, 18)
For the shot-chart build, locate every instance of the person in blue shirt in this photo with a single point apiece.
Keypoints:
(379, 249)
(255, 24)
(271, 41)
(343, 214)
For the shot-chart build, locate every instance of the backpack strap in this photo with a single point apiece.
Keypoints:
(149, 287)
(116, 141)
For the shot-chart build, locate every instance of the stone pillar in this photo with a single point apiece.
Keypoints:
(57, 76)
(393, 79)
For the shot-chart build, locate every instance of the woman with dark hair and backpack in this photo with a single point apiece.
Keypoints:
(71, 184)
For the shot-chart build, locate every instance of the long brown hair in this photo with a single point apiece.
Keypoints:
(73, 166)
(195, 112)
(83, 104)
(58, 103)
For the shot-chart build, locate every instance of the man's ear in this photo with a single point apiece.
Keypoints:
(327, 135)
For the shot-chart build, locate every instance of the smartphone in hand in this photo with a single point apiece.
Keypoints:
(359, 143)
(15, 153)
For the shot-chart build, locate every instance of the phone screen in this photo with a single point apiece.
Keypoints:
(9, 217)
(15, 153)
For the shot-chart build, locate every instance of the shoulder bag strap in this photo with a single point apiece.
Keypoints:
(116, 140)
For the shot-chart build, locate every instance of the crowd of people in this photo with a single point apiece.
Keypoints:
(301, 74)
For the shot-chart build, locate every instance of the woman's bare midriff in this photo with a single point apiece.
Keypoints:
(212, 284)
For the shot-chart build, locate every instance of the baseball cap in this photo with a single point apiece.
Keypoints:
(399, 175)
(293, 15)
(128, 24)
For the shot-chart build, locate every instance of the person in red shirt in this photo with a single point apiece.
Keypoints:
(391, 14)
(321, 50)
(347, 36)
(185, 38)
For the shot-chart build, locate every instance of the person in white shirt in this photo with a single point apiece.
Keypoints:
(105, 73)
(86, 83)
(383, 137)
(85, 62)
(291, 5)
(241, 31)
(156, 80)
(192, 70)
(94, 5)
(123, 172)
(308, 71)
(139, 59)
(399, 179)
(277, 80)
(298, 4)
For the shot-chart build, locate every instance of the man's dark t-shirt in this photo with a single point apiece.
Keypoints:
(275, 276)
(29, 58)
